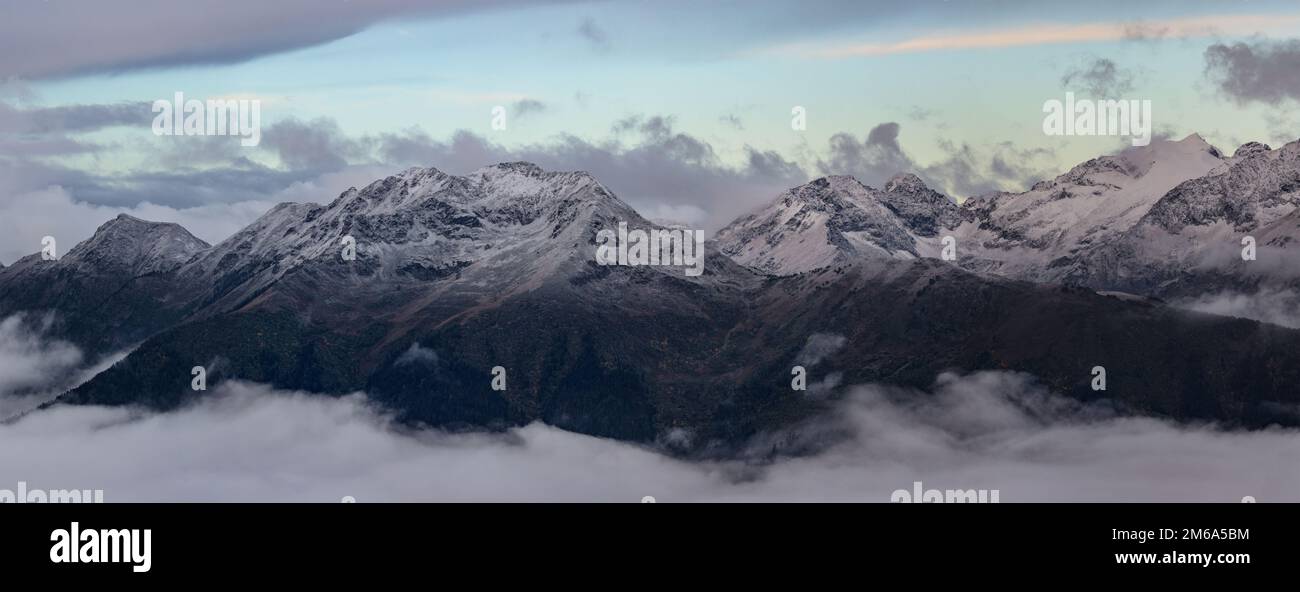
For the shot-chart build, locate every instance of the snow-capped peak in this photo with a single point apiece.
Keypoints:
(140, 246)
(419, 224)
(520, 167)
(512, 185)
(836, 218)
(1256, 186)
(1029, 234)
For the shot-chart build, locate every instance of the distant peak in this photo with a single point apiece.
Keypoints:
(520, 167)
(421, 172)
(529, 173)
(140, 245)
(130, 218)
(906, 182)
(1251, 148)
(834, 182)
(127, 222)
(128, 225)
(1195, 141)
(410, 176)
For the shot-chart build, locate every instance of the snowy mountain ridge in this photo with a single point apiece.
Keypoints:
(1132, 221)
(497, 268)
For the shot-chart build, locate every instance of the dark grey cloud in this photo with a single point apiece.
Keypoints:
(56, 39)
(178, 184)
(968, 171)
(627, 124)
(657, 169)
(186, 188)
(72, 118)
(526, 107)
(872, 161)
(595, 36)
(18, 175)
(210, 198)
(30, 132)
(210, 184)
(1259, 71)
(179, 152)
(315, 146)
(665, 173)
(1099, 78)
(770, 164)
(659, 127)
(885, 135)
(190, 174)
(45, 146)
(965, 172)
(918, 113)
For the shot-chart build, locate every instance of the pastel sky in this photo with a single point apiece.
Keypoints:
(682, 108)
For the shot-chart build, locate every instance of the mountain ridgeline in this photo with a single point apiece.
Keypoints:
(454, 276)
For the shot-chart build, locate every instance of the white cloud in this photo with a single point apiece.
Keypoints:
(247, 442)
(1276, 306)
(35, 368)
(818, 346)
(417, 355)
(27, 360)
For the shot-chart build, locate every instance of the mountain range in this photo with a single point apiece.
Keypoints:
(456, 275)
(1162, 220)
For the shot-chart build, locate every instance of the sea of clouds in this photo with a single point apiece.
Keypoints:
(988, 430)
